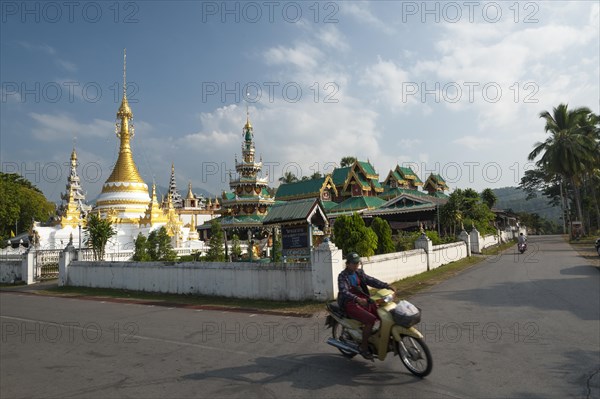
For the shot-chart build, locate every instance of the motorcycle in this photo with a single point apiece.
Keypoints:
(390, 337)
(522, 247)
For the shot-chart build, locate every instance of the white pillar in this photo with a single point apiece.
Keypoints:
(464, 236)
(475, 241)
(27, 267)
(327, 262)
(64, 260)
(425, 243)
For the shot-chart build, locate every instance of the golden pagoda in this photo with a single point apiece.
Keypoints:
(124, 197)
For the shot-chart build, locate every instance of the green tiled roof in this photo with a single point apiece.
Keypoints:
(358, 203)
(229, 196)
(376, 183)
(290, 211)
(368, 168)
(439, 179)
(409, 172)
(240, 220)
(303, 187)
(329, 204)
(339, 175)
(394, 192)
(362, 181)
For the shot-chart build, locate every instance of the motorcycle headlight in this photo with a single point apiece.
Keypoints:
(388, 298)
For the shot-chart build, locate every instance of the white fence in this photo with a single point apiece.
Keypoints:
(447, 253)
(396, 266)
(245, 280)
(274, 281)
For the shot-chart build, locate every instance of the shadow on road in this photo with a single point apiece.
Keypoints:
(309, 372)
(580, 271)
(576, 295)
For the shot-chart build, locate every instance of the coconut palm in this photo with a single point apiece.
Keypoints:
(567, 150)
(288, 177)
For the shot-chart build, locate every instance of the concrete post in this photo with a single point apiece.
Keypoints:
(64, 259)
(27, 267)
(464, 236)
(475, 241)
(327, 262)
(425, 243)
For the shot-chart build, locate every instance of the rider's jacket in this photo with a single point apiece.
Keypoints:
(348, 293)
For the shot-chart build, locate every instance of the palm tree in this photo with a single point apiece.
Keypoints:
(567, 150)
(288, 177)
(347, 161)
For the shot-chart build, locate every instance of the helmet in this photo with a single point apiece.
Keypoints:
(352, 257)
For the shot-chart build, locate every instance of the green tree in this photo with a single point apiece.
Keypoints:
(99, 231)
(288, 177)
(141, 249)
(466, 207)
(160, 247)
(20, 204)
(351, 234)
(383, 231)
(347, 161)
(489, 198)
(569, 149)
(236, 248)
(316, 175)
(216, 252)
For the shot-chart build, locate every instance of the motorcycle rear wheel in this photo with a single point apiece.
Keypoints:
(339, 332)
(415, 355)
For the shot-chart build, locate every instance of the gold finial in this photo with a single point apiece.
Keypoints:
(124, 110)
(190, 195)
(125, 169)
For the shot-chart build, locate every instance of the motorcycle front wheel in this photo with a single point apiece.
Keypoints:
(415, 355)
(339, 332)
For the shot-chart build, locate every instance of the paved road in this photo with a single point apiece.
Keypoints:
(512, 326)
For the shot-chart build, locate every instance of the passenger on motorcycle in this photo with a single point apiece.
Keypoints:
(354, 299)
(522, 239)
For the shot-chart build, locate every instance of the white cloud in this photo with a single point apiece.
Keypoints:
(303, 56)
(474, 142)
(60, 127)
(37, 47)
(392, 85)
(361, 12)
(68, 66)
(333, 38)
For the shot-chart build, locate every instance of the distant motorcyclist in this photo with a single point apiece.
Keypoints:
(354, 298)
(522, 239)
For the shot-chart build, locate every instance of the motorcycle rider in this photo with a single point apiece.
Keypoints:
(354, 299)
(522, 239)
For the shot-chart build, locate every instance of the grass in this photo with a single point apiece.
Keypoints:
(405, 288)
(586, 249)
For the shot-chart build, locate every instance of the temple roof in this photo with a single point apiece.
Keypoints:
(290, 211)
(357, 204)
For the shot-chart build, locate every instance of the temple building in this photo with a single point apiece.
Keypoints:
(71, 214)
(357, 189)
(73, 210)
(249, 200)
(125, 201)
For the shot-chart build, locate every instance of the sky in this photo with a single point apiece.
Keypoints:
(452, 88)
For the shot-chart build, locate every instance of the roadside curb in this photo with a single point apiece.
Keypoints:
(150, 302)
